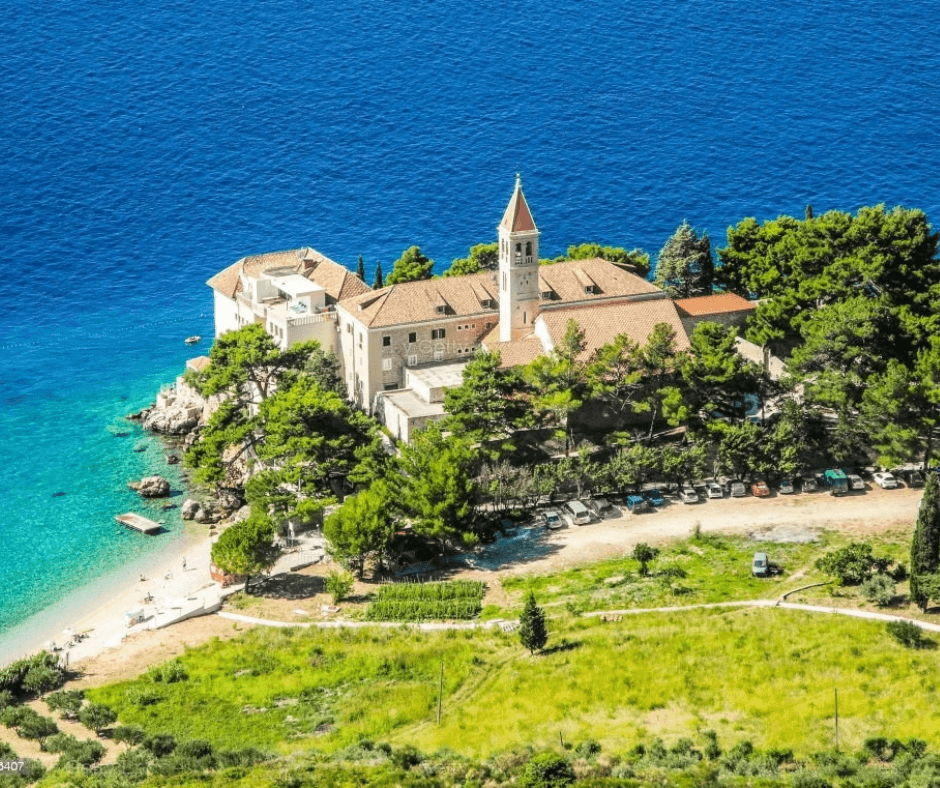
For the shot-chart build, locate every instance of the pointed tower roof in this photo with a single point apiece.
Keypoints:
(518, 217)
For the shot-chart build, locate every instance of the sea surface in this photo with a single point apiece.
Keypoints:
(147, 145)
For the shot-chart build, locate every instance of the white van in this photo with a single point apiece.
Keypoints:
(577, 513)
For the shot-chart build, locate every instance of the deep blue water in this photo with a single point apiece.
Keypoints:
(147, 145)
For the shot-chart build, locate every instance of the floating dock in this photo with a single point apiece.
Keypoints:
(139, 523)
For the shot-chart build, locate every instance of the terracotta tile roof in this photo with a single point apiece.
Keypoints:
(602, 323)
(335, 279)
(569, 279)
(515, 353)
(713, 305)
(418, 302)
(518, 217)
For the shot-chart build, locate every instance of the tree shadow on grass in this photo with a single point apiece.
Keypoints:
(288, 586)
(563, 646)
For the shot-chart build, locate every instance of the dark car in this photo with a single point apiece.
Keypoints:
(636, 504)
(654, 497)
(602, 508)
(913, 478)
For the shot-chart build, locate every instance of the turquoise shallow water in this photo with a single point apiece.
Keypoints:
(148, 145)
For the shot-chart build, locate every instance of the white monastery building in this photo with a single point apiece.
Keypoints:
(400, 347)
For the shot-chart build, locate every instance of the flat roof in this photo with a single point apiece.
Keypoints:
(412, 406)
(294, 285)
(439, 376)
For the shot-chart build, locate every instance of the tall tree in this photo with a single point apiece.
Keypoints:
(482, 257)
(436, 486)
(411, 267)
(925, 546)
(247, 548)
(533, 634)
(684, 266)
(362, 527)
(361, 269)
(378, 283)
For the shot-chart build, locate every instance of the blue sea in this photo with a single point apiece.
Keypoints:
(147, 145)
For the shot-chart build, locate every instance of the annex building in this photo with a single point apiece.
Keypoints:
(400, 347)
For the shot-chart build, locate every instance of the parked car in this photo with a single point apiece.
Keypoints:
(836, 481)
(734, 487)
(636, 504)
(713, 489)
(913, 478)
(576, 513)
(553, 520)
(808, 483)
(786, 487)
(884, 480)
(688, 495)
(602, 508)
(760, 566)
(759, 489)
(855, 481)
(654, 497)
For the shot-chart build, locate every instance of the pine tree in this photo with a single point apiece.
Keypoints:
(361, 269)
(532, 632)
(379, 283)
(685, 267)
(925, 546)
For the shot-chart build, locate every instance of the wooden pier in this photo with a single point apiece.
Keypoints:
(139, 523)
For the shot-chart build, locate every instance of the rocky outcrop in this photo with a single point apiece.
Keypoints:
(190, 509)
(152, 487)
(173, 420)
(200, 513)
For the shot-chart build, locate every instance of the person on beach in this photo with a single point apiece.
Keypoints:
(184, 563)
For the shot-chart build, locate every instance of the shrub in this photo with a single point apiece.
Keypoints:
(406, 757)
(7, 753)
(128, 734)
(644, 555)
(160, 744)
(459, 599)
(547, 770)
(142, 696)
(879, 589)
(195, 748)
(135, 764)
(339, 584)
(43, 665)
(853, 564)
(58, 742)
(170, 673)
(907, 633)
(66, 702)
(6, 699)
(42, 678)
(811, 780)
(82, 753)
(587, 749)
(37, 728)
(97, 717)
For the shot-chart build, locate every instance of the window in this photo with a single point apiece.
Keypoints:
(387, 341)
(438, 333)
(413, 337)
(438, 355)
(349, 328)
(412, 360)
(386, 365)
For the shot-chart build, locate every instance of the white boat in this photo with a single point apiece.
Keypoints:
(193, 339)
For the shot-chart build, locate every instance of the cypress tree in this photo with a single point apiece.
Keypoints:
(361, 269)
(925, 546)
(379, 283)
(532, 632)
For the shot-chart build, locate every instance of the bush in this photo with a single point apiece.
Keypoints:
(907, 633)
(82, 753)
(97, 717)
(547, 770)
(44, 667)
(66, 702)
(339, 584)
(811, 780)
(128, 734)
(879, 589)
(142, 696)
(160, 744)
(37, 728)
(587, 749)
(170, 673)
(59, 742)
(853, 564)
(6, 699)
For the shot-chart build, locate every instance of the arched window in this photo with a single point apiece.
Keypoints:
(528, 249)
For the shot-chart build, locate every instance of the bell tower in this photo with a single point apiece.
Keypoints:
(518, 268)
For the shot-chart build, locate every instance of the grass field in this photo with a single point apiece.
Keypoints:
(761, 674)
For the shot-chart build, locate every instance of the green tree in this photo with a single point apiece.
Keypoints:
(377, 282)
(548, 770)
(247, 548)
(615, 373)
(128, 734)
(559, 379)
(644, 555)
(437, 488)
(533, 633)
(97, 717)
(685, 266)
(361, 269)
(661, 364)
(412, 266)
(488, 405)
(482, 257)
(66, 702)
(853, 564)
(925, 545)
(338, 585)
(362, 527)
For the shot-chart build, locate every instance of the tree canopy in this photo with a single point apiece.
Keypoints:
(410, 267)
(685, 267)
(482, 257)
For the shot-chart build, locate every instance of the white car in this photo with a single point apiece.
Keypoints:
(713, 489)
(688, 495)
(553, 520)
(884, 480)
(855, 482)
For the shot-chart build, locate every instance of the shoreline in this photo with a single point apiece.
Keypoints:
(98, 607)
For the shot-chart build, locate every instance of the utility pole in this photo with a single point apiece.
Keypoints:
(836, 691)
(440, 695)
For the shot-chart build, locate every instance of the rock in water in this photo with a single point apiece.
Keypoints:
(172, 421)
(153, 487)
(190, 509)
